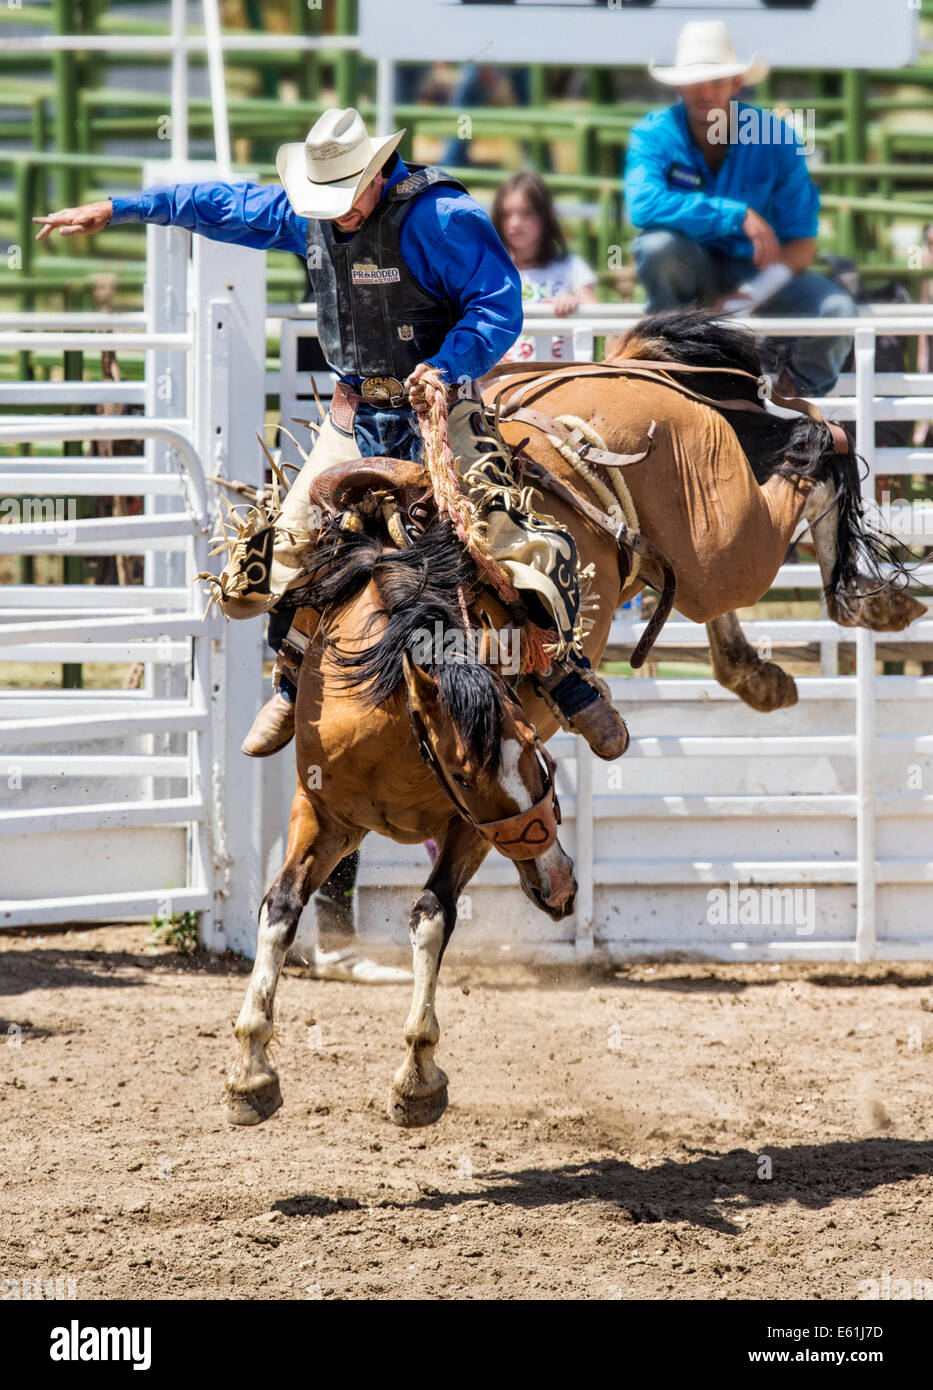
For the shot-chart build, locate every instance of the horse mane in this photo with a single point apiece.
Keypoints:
(419, 587)
(797, 448)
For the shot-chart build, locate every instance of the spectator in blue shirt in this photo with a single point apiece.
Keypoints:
(727, 209)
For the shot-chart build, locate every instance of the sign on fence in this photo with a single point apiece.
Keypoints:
(787, 33)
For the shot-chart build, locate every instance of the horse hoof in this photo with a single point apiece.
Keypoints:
(412, 1112)
(767, 689)
(252, 1107)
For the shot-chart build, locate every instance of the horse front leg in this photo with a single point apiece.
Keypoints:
(419, 1090)
(737, 666)
(314, 848)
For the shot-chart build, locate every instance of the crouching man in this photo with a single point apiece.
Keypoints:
(727, 209)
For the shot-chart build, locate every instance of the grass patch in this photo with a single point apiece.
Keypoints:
(180, 931)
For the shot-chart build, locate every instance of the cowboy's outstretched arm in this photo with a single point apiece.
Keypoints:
(242, 213)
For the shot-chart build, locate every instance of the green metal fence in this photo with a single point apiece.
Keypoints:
(873, 131)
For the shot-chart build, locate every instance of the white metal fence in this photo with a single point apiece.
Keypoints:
(116, 803)
(119, 804)
(832, 798)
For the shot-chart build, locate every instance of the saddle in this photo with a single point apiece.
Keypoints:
(400, 486)
(350, 484)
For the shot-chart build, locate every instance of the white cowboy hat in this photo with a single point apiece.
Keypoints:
(323, 176)
(706, 53)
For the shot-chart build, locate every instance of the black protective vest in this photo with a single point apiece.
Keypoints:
(373, 317)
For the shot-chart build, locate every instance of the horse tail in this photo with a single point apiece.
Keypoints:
(696, 338)
(796, 447)
(863, 552)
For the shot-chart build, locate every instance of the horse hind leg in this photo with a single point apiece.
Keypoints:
(253, 1093)
(737, 666)
(853, 600)
(419, 1089)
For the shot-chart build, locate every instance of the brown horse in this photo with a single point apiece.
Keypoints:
(479, 780)
(726, 515)
(449, 749)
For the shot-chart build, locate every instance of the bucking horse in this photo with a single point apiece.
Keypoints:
(453, 750)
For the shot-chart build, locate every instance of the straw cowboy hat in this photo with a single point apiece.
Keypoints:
(706, 53)
(324, 175)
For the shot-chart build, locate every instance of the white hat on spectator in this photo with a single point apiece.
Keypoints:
(324, 175)
(706, 53)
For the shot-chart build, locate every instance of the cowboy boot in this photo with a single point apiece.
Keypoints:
(584, 706)
(273, 727)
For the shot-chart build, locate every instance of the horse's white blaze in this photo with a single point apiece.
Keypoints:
(558, 869)
(552, 870)
(509, 776)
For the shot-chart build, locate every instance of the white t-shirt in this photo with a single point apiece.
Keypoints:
(540, 285)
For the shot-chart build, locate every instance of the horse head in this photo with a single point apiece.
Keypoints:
(474, 735)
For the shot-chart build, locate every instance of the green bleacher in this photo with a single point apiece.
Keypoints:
(872, 136)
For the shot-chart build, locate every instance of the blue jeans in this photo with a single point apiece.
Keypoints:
(677, 271)
(383, 432)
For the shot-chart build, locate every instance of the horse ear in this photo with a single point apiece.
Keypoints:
(422, 688)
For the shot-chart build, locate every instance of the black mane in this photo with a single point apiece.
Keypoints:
(420, 588)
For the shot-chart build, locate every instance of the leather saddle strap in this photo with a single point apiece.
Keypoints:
(624, 538)
(305, 624)
(543, 373)
(793, 403)
(532, 373)
(652, 371)
(343, 408)
(644, 368)
(577, 441)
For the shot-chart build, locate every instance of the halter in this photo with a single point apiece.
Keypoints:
(524, 835)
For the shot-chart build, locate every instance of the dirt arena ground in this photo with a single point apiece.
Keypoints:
(678, 1131)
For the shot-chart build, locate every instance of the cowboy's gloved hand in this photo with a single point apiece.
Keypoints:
(422, 385)
(86, 219)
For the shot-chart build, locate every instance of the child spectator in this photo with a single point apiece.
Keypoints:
(524, 216)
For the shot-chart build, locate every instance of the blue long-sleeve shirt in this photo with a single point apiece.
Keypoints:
(669, 184)
(447, 242)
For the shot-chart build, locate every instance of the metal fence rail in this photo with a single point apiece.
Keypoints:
(118, 799)
(711, 793)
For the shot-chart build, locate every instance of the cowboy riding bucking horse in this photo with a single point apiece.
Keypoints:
(415, 295)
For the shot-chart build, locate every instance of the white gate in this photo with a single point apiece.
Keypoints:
(117, 804)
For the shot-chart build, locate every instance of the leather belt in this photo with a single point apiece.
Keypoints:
(385, 391)
(345, 400)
